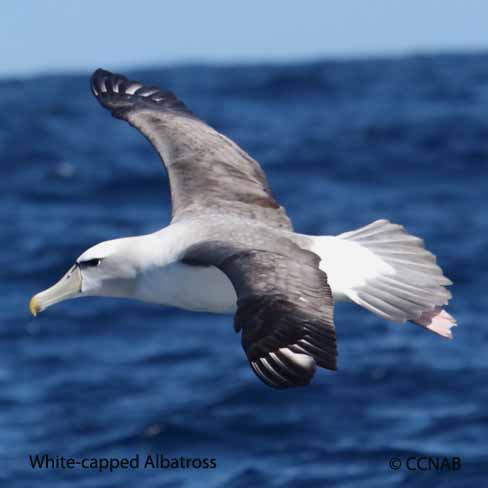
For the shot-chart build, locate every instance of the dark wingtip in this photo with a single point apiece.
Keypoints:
(116, 93)
(97, 81)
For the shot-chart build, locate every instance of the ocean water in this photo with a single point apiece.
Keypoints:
(343, 143)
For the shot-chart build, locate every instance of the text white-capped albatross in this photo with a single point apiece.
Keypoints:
(231, 248)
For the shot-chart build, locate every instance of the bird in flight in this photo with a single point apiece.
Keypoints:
(231, 248)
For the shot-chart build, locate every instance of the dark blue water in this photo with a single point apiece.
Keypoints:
(343, 143)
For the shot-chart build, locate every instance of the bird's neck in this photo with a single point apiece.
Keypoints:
(161, 248)
(163, 278)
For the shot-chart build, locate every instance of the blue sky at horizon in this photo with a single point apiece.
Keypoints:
(55, 35)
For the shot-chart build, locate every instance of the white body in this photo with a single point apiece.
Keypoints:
(199, 288)
(380, 267)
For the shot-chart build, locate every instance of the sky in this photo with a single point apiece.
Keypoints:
(72, 35)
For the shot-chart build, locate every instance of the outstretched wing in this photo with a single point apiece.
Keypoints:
(284, 308)
(208, 173)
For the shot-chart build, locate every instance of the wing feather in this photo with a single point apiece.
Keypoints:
(284, 307)
(208, 173)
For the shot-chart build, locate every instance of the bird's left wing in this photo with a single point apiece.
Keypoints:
(284, 308)
(208, 173)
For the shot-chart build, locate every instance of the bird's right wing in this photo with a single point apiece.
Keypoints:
(208, 173)
(284, 308)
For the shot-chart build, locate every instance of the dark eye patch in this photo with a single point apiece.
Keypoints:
(91, 263)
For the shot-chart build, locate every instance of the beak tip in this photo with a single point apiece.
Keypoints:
(69, 286)
(33, 306)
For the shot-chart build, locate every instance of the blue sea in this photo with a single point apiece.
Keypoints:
(343, 143)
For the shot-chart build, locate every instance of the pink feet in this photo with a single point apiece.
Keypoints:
(438, 321)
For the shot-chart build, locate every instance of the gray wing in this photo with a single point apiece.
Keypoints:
(284, 308)
(208, 173)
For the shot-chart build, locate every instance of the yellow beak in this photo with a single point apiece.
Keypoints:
(69, 286)
(34, 306)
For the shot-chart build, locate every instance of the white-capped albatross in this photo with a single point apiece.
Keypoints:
(230, 247)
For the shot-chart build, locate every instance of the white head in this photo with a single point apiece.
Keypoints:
(110, 268)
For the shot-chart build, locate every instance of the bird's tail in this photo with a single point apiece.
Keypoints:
(389, 272)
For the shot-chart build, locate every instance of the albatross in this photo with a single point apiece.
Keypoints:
(231, 248)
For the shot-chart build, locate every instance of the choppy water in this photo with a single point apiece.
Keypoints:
(343, 143)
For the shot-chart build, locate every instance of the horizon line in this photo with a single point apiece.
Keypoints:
(244, 61)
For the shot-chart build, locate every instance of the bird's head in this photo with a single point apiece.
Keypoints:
(107, 269)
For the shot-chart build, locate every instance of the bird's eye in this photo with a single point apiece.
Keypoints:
(91, 263)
